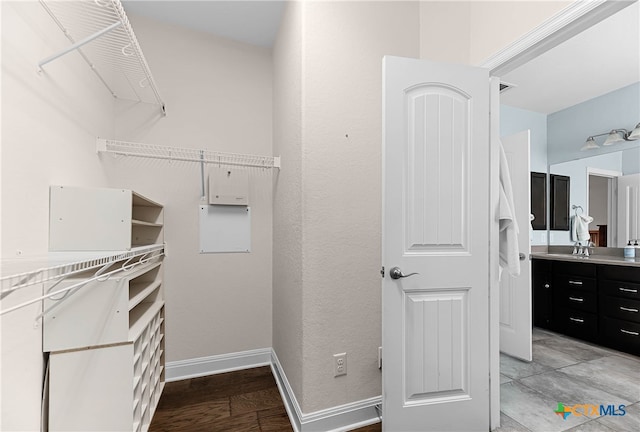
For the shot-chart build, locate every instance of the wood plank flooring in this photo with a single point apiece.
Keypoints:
(241, 401)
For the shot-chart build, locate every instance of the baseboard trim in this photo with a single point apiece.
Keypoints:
(203, 366)
(335, 419)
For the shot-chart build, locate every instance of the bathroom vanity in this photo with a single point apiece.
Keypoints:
(594, 298)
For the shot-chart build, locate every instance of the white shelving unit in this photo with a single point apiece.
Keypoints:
(106, 340)
(90, 219)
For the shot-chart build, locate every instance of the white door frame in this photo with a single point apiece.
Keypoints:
(575, 18)
(612, 206)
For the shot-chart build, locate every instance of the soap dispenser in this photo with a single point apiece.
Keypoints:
(629, 250)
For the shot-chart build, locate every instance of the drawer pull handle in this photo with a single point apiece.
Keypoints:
(576, 299)
(632, 333)
(572, 282)
(579, 320)
(626, 309)
(629, 290)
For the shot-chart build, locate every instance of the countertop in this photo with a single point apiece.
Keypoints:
(594, 259)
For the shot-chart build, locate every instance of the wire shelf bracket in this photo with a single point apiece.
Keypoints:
(185, 154)
(100, 32)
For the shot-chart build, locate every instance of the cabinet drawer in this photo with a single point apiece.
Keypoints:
(619, 273)
(564, 282)
(577, 323)
(576, 299)
(621, 308)
(620, 289)
(622, 335)
(574, 269)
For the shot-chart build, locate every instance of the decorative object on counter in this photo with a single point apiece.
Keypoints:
(613, 137)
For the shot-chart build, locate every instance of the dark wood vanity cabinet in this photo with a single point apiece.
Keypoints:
(541, 290)
(575, 299)
(619, 302)
(595, 302)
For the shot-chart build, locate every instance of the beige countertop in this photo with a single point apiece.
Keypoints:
(602, 258)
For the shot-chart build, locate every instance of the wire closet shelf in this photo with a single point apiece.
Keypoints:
(101, 33)
(186, 154)
(44, 274)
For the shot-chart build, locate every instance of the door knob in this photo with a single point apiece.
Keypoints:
(396, 273)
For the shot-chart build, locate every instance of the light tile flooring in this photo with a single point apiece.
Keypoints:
(571, 372)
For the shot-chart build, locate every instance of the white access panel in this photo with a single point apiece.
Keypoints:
(91, 390)
(229, 187)
(86, 219)
(225, 229)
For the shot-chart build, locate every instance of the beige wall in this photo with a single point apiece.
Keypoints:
(287, 199)
(335, 228)
(448, 21)
(469, 32)
(218, 97)
(495, 25)
(48, 128)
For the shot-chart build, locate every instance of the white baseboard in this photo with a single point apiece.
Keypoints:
(335, 419)
(203, 366)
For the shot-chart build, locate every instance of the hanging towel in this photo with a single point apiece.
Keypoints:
(508, 236)
(580, 227)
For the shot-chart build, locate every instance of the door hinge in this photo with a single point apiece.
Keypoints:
(382, 272)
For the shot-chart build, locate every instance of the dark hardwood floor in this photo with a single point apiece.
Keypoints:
(242, 401)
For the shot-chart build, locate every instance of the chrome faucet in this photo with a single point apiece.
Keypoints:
(584, 250)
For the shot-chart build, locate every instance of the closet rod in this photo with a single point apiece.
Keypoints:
(185, 154)
(77, 45)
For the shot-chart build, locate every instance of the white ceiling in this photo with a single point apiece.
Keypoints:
(601, 59)
(252, 22)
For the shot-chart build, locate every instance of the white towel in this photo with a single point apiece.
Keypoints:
(508, 241)
(580, 227)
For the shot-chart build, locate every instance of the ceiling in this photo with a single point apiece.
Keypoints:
(252, 22)
(601, 59)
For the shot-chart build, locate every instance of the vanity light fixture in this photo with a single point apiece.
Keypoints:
(590, 144)
(613, 137)
(635, 133)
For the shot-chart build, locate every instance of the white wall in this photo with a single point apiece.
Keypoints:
(49, 125)
(218, 97)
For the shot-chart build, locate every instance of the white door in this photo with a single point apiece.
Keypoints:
(628, 208)
(436, 193)
(515, 292)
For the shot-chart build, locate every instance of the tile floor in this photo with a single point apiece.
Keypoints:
(571, 372)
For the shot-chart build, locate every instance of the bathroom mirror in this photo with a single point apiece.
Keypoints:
(563, 98)
(593, 191)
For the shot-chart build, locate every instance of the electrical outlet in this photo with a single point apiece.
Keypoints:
(339, 364)
(379, 357)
